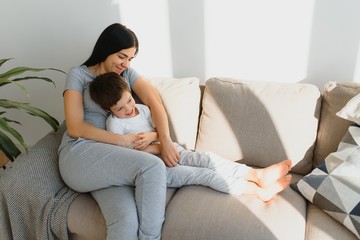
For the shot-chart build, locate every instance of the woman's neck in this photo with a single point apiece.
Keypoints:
(96, 70)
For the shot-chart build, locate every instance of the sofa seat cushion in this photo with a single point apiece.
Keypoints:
(200, 213)
(319, 225)
(260, 123)
(85, 220)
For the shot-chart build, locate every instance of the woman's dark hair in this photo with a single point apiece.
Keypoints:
(113, 39)
(107, 89)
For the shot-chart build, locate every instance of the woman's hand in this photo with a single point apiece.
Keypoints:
(169, 154)
(128, 141)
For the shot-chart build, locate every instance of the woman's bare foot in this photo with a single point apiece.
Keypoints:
(266, 194)
(267, 176)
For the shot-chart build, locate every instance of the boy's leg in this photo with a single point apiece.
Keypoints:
(269, 192)
(212, 161)
(181, 175)
(264, 177)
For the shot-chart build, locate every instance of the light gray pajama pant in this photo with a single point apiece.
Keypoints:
(207, 169)
(130, 185)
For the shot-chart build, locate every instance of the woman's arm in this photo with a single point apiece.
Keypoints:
(150, 97)
(77, 127)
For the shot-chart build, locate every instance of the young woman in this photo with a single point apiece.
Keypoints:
(129, 185)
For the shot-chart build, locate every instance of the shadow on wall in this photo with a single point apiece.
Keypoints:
(187, 37)
(334, 43)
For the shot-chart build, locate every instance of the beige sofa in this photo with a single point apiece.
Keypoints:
(256, 123)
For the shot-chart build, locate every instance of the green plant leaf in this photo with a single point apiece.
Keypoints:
(7, 133)
(20, 70)
(5, 126)
(4, 81)
(34, 77)
(2, 61)
(8, 147)
(9, 120)
(30, 110)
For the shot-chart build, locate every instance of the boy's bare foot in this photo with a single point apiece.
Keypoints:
(267, 176)
(266, 194)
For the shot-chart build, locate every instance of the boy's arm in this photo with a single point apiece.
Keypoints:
(152, 148)
(145, 139)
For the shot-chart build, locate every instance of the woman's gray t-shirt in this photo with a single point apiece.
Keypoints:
(79, 79)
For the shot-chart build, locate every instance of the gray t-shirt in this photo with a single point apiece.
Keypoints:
(78, 79)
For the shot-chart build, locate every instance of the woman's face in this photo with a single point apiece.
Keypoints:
(125, 107)
(118, 62)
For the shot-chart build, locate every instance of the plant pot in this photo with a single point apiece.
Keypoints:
(3, 159)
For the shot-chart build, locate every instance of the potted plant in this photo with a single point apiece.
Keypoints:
(7, 133)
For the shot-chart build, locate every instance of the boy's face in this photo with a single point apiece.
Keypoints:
(125, 107)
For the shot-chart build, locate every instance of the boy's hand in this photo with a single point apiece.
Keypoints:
(144, 139)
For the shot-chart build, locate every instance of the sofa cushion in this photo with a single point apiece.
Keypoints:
(197, 212)
(334, 186)
(351, 111)
(319, 225)
(260, 123)
(181, 98)
(86, 221)
(332, 128)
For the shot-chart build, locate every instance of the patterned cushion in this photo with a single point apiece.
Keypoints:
(351, 111)
(334, 186)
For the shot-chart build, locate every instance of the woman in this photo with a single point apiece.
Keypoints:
(90, 157)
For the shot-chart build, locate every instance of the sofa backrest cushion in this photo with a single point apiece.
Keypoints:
(332, 128)
(181, 98)
(260, 123)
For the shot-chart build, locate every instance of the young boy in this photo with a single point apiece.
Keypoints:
(112, 93)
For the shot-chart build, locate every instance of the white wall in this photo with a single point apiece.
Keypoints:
(292, 41)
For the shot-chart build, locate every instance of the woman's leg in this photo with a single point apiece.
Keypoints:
(119, 209)
(90, 166)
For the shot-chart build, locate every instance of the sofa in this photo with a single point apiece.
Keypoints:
(251, 122)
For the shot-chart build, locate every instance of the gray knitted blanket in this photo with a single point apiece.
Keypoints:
(34, 200)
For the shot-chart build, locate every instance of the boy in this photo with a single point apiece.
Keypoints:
(112, 93)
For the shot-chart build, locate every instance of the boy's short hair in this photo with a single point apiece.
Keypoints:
(107, 89)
